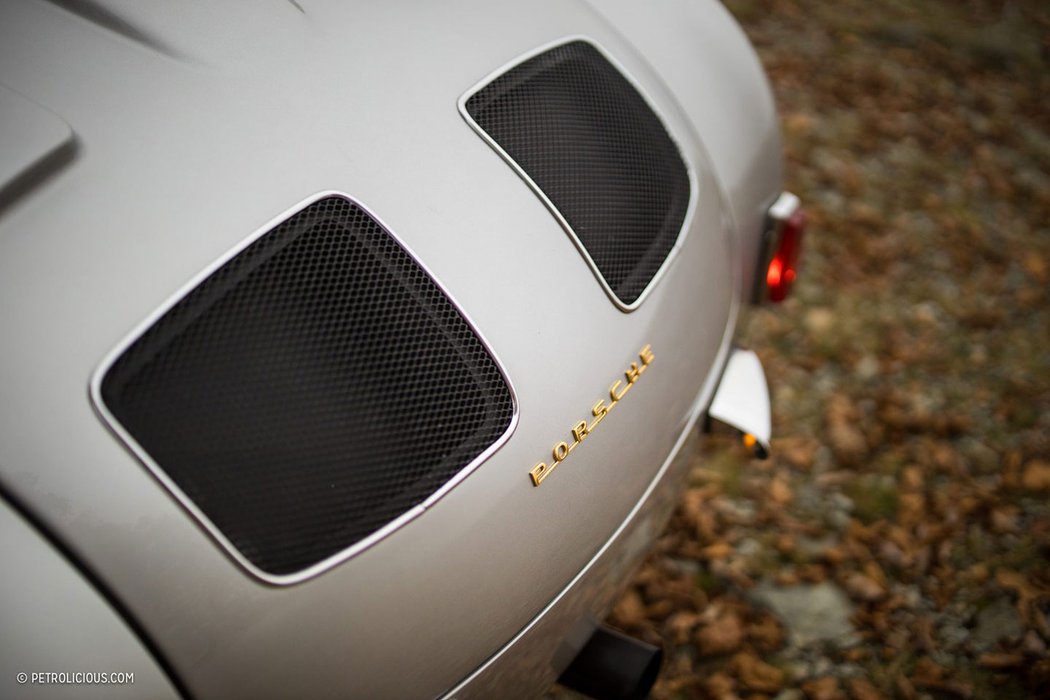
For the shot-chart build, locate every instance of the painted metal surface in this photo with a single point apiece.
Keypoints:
(742, 398)
(54, 621)
(31, 134)
(192, 139)
(95, 388)
(538, 191)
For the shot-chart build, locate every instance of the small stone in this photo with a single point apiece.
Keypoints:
(739, 510)
(822, 461)
(841, 502)
(942, 657)
(749, 547)
(819, 321)
(811, 612)
(867, 367)
(926, 312)
(847, 641)
(800, 670)
(910, 595)
(996, 622)
(952, 635)
(838, 519)
(848, 670)
(683, 567)
(810, 548)
(822, 666)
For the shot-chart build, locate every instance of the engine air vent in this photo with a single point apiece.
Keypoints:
(314, 389)
(596, 153)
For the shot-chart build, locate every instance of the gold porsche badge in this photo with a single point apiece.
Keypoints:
(601, 408)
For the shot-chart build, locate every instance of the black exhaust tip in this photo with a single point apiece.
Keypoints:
(613, 666)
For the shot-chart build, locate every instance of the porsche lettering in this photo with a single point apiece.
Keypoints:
(601, 408)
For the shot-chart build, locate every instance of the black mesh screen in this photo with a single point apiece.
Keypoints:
(593, 145)
(311, 390)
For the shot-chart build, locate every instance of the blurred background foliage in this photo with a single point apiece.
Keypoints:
(897, 544)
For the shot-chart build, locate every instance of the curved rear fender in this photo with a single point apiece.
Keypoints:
(707, 62)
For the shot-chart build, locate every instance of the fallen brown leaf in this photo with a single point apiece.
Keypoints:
(723, 635)
(1012, 469)
(630, 609)
(720, 686)
(779, 491)
(927, 669)
(756, 674)
(848, 442)
(796, 451)
(999, 661)
(826, 688)
(863, 588)
(1004, 520)
(680, 625)
(718, 550)
(862, 689)
(834, 554)
(1033, 645)
(904, 688)
(911, 478)
(785, 543)
(912, 508)
(1027, 593)
(930, 675)
(1036, 265)
(1036, 476)
(766, 634)
(924, 634)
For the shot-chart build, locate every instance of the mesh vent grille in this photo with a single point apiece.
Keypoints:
(590, 142)
(311, 390)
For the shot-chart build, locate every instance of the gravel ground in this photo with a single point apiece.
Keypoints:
(897, 544)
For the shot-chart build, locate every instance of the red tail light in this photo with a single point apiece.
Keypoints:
(788, 224)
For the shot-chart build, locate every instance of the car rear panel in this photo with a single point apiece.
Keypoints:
(188, 143)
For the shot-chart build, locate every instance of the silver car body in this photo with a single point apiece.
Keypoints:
(140, 143)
